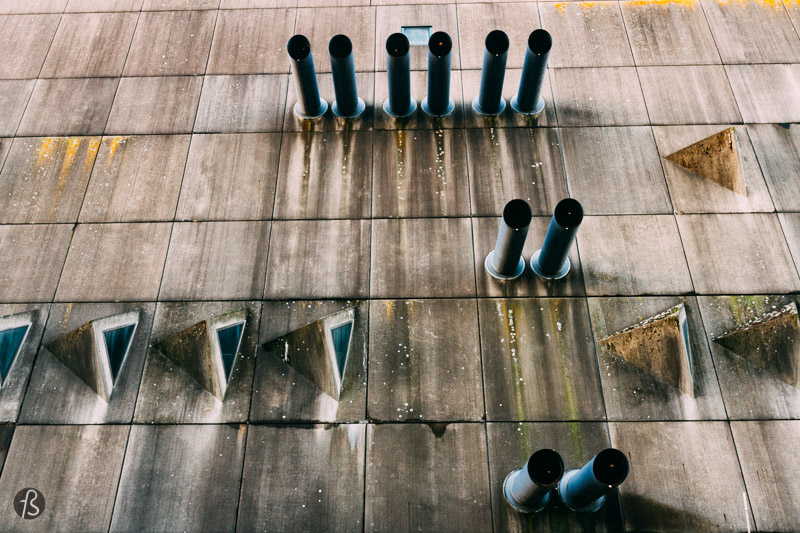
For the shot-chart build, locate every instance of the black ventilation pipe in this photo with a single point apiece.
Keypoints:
(309, 104)
(438, 102)
(528, 100)
(528, 489)
(551, 261)
(495, 54)
(398, 69)
(505, 261)
(585, 490)
(343, 70)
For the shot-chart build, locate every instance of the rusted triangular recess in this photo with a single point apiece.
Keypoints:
(658, 345)
(716, 159)
(771, 342)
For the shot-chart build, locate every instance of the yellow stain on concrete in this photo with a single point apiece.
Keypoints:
(45, 150)
(774, 4)
(113, 144)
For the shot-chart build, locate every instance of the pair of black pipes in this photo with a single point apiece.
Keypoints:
(505, 262)
(528, 489)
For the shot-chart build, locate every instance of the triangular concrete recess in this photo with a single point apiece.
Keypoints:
(771, 342)
(715, 158)
(660, 346)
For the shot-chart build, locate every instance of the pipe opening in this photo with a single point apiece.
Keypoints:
(545, 467)
(569, 213)
(540, 41)
(517, 214)
(497, 42)
(440, 44)
(397, 45)
(340, 46)
(611, 467)
(298, 47)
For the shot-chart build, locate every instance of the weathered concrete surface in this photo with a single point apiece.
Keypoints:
(5, 146)
(777, 148)
(770, 468)
(411, 483)
(750, 393)
(684, 476)
(608, 96)
(76, 468)
(771, 342)
(282, 394)
(471, 80)
(657, 346)
(45, 179)
(55, 395)
(170, 43)
(752, 32)
(321, 23)
(325, 175)
(170, 395)
(715, 158)
(241, 104)
(691, 193)
(90, 45)
(13, 388)
(76, 106)
(241, 46)
(44, 248)
(160, 5)
(35, 6)
(303, 478)
(389, 20)
(615, 170)
(632, 393)
(484, 234)
(627, 255)
(744, 254)
(318, 259)
(510, 446)
(475, 21)
(419, 91)
(6, 432)
(790, 223)
(135, 179)
(595, 33)
(766, 93)
(192, 473)
(14, 96)
(422, 258)
(25, 41)
(154, 105)
(113, 262)
(711, 102)
(365, 87)
(420, 174)
(216, 260)
(230, 177)
(538, 360)
(508, 163)
(669, 33)
(425, 361)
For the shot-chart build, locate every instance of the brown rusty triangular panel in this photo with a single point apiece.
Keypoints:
(716, 159)
(660, 346)
(771, 342)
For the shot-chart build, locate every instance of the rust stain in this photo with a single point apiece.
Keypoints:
(45, 150)
(113, 144)
(73, 145)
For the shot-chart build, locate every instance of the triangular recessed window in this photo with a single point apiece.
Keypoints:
(118, 341)
(10, 343)
(341, 343)
(229, 339)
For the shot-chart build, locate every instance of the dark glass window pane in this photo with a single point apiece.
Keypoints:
(229, 344)
(10, 342)
(118, 340)
(341, 341)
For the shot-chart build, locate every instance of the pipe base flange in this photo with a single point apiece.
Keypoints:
(562, 493)
(503, 277)
(538, 271)
(323, 107)
(451, 105)
(477, 108)
(360, 107)
(508, 482)
(411, 109)
(536, 110)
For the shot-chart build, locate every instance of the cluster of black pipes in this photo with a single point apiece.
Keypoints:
(438, 103)
(529, 489)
